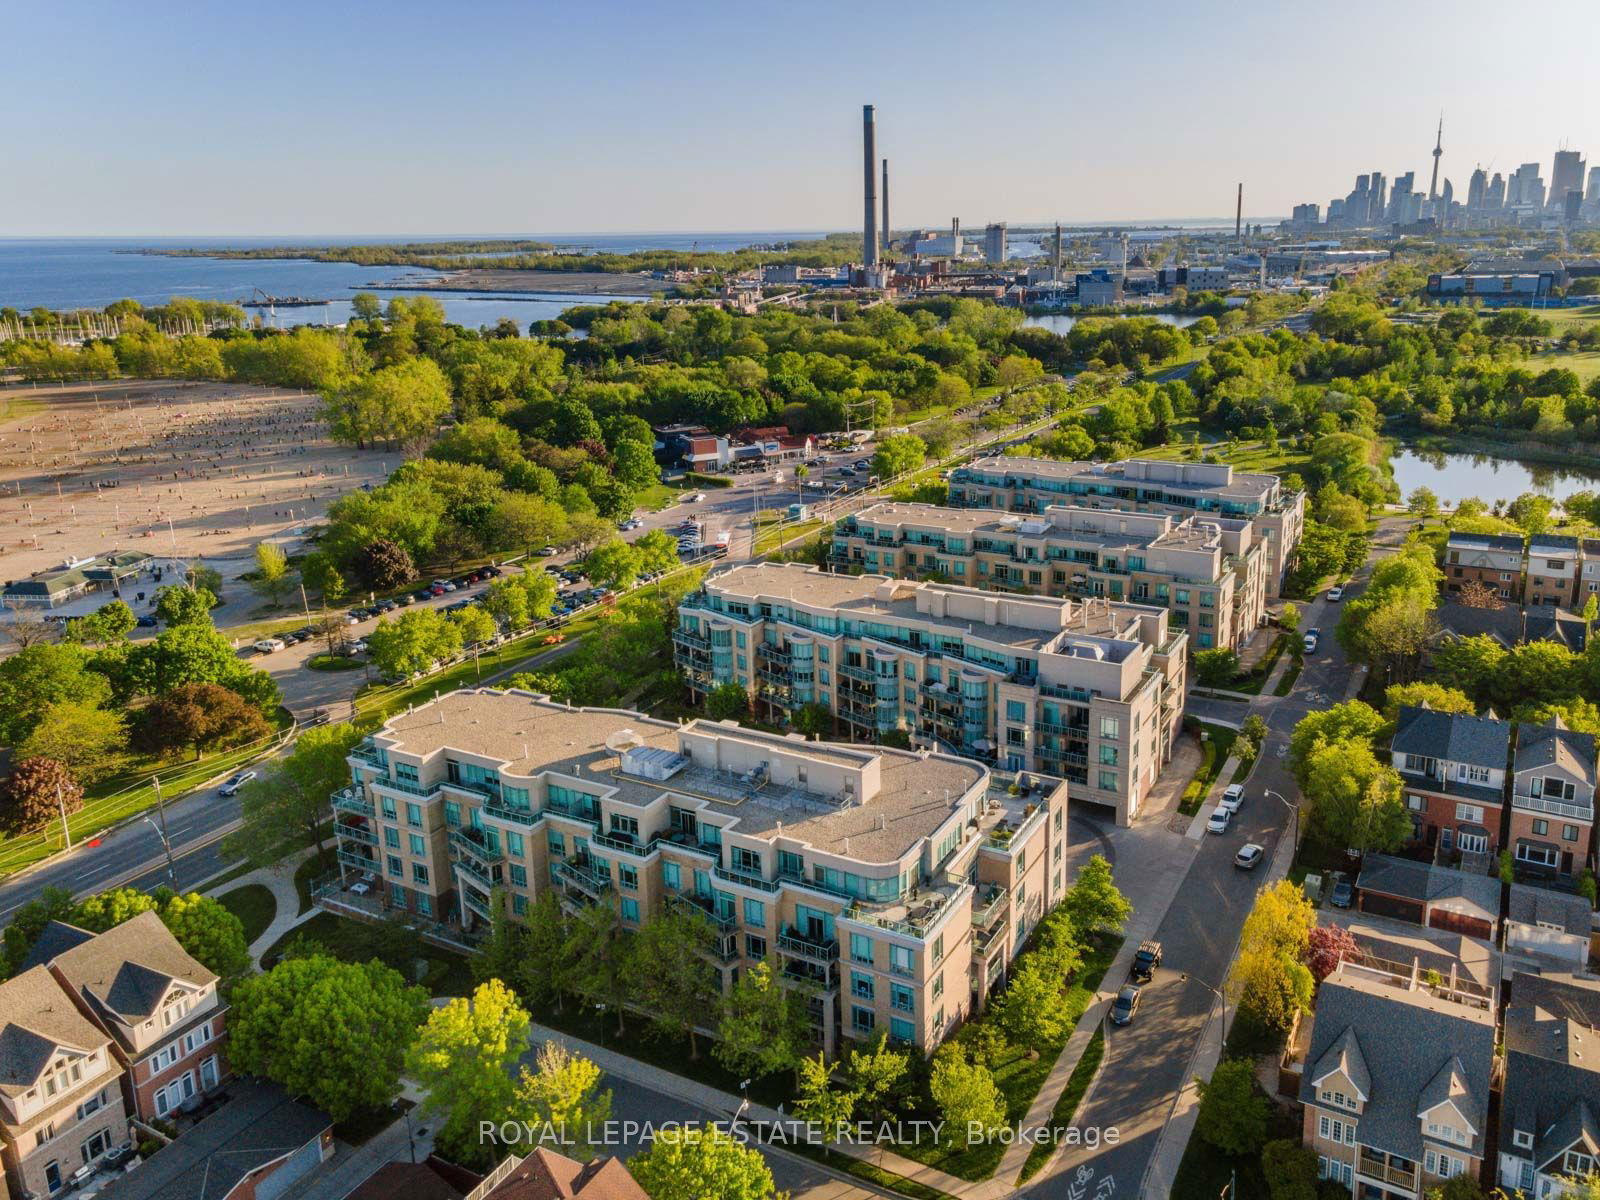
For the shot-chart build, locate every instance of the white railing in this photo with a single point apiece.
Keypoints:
(1560, 808)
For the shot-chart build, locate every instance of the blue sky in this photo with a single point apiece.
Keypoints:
(490, 117)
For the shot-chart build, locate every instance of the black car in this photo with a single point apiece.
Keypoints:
(424, 594)
(147, 622)
(1125, 1005)
(1145, 962)
(491, 572)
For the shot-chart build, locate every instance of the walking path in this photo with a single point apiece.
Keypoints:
(279, 880)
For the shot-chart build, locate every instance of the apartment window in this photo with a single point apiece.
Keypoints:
(938, 949)
(1414, 802)
(388, 809)
(1544, 856)
(558, 845)
(902, 998)
(391, 837)
(1541, 828)
(622, 826)
(519, 875)
(746, 860)
(95, 1146)
(861, 948)
(452, 814)
(861, 985)
(901, 1030)
(519, 904)
(627, 877)
(630, 909)
(900, 960)
(862, 1019)
(755, 913)
(1108, 781)
(1474, 774)
(419, 874)
(755, 946)
(395, 867)
(414, 815)
(1016, 710)
(671, 876)
(1569, 833)
(938, 986)
(1110, 728)
(418, 844)
(1469, 812)
(1109, 755)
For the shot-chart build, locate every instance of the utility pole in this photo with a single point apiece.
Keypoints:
(161, 811)
(66, 830)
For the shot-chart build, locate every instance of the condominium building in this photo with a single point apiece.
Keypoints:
(1276, 513)
(1089, 690)
(1208, 572)
(892, 886)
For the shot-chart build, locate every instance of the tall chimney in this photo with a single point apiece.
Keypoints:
(869, 238)
(1055, 271)
(886, 204)
(1238, 216)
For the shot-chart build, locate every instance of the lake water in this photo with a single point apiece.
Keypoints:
(66, 273)
(1456, 477)
(1061, 322)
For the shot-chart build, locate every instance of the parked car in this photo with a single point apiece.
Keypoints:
(1125, 1005)
(424, 594)
(1145, 961)
(412, 598)
(1249, 856)
(1233, 798)
(387, 606)
(1343, 894)
(1336, 594)
(492, 572)
(268, 645)
(1217, 822)
(235, 782)
(447, 586)
(1312, 639)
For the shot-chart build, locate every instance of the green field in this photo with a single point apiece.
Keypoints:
(1585, 363)
(253, 905)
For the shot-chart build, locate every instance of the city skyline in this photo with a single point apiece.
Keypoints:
(410, 122)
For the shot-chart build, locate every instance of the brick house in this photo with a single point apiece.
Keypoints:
(1551, 1089)
(1552, 799)
(1396, 1083)
(1553, 567)
(1453, 773)
(158, 1004)
(61, 1103)
(1492, 559)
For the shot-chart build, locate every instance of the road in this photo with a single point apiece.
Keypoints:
(1149, 1062)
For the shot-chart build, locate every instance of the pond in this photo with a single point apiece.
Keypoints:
(1457, 477)
(1061, 322)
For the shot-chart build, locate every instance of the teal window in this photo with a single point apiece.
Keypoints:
(902, 998)
(860, 948)
(627, 877)
(755, 947)
(414, 815)
(396, 868)
(388, 807)
(1108, 781)
(900, 960)
(452, 814)
(519, 904)
(900, 1029)
(790, 863)
(558, 845)
(671, 877)
(862, 1019)
(391, 837)
(419, 873)
(514, 845)
(755, 913)
(519, 874)
(425, 904)
(1016, 710)
(861, 985)
(630, 909)
(418, 844)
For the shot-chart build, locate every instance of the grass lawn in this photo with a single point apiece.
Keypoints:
(662, 495)
(1067, 1106)
(788, 533)
(872, 1174)
(253, 905)
(1019, 1077)
(1253, 679)
(447, 974)
(14, 408)
(1286, 684)
(1562, 320)
(1213, 753)
(334, 662)
(1585, 363)
(1205, 1170)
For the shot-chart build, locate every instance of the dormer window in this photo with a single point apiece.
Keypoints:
(177, 1005)
(1522, 1139)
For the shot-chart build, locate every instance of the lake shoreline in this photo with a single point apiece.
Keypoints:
(1540, 453)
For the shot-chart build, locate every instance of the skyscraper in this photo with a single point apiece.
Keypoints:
(1378, 198)
(1525, 187)
(1565, 176)
(994, 242)
(1495, 195)
(1477, 188)
(1399, 207)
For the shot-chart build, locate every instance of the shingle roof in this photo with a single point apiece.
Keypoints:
(1554, 745)
(1345, 1057)
(257, 1126)
(128, 969)
(544, 1175)
(37, 1016)
(1423, 881)
(1511, 626)
(1453, 737)
(1552, 1073)
(406, 1181)
(1407, 1036)
(58, 937)
(1535, 905)
(1486, 541)
(1561, 993)
(1451, 1084)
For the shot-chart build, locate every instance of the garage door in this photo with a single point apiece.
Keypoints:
(1392, 906)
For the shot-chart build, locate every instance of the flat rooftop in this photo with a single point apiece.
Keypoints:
(1179, 535)
(1059, 620)
(1208, 479)
(529, 735)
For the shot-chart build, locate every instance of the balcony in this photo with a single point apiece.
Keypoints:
(985, 940)
(745, 879)
(991, 905)
(367, 753)
(488, 879)
(474, 842)
(577, 873)
(351, 800)
(361, 862)
(355, 833)
(691, 642)
(514, 816)
(810, 975)
(1557, 808)
(866, 674)
(473, 904)
(819, 952)
(410, 787)
(1384, 1169)
(700, 906)
(622, 844)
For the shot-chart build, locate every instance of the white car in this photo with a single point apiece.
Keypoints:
(1233, 798)
(231, 788)
(548, 552)
(268, 645)
(1217, 822)
(1311, 640)
(1336, 594)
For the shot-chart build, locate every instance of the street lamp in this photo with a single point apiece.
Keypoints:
(1294, 818)
(1222, 1029)
(172, 873)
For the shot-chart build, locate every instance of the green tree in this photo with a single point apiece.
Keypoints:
(384, 564)
(635, 465)
(1289, 618)
(813, 719)
(462, 1059)
(1093, 905)
(562, 1093)
(108, 909)
(200, 717)
(613, 564)
(1466, 1187)
(28, 923)
(1290, 1170)
(272, 571)
(877, 1073)
(506, 600)
(1234, 1115)
(658, 553)
(966, 1096)
(180, 604)
(209, 932)
(817, 1101)
(401, 404)
(522, 522)
(727, 701)
(1268, 972)
(898, 454)
(37, 677)
(191, 654)
(109, 623)
(1355, 799)
(1032, 1010)
(1423, 502)
(672, 980)
(1351, 720)
(1216, 667)
(1531, 512)
(764, 1027)
(292, 798)
(474, 625)
(334, 1032)
(36, 793)
(598, 960)
(1434, 695)
(694, 1163)
(365, 306)
(412, 643)
(86, 739)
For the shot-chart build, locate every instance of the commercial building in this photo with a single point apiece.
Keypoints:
(1517, 288)
(78, 577)
(892, 887)
(1088, 690)
(1275, 513)
(1209, 572)
(1099, 288)
(994, 243)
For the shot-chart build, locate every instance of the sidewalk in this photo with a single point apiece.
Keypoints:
(1197, 826)
(726, 1104)
(279, 880)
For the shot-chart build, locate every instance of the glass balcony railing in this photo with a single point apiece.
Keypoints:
(351, 800)
(745, 879)
(355, 833)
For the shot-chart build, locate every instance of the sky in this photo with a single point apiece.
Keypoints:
(489, 117)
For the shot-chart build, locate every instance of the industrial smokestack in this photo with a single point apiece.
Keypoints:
(886, 238)
(869, 238)
(1055, 268)
(1238, 215)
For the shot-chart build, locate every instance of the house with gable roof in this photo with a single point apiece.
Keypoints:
(1453, 773)
(1550, 1107)
(1552, 799)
